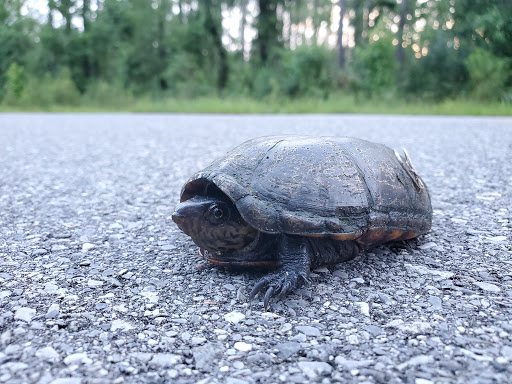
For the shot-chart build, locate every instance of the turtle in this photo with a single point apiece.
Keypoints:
(293, 203)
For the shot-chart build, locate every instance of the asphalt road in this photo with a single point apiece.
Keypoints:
(97, 284)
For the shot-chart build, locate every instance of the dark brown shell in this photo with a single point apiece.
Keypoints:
(344, 188)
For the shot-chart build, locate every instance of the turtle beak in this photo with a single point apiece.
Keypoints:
(186, 213)
(183, 211)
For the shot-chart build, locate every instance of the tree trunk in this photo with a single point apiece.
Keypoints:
(268, 29)
(65, 9)
(163, 10)
(215, 31)
(400, 50)
(85, 14)
(51, 7)
(180, 6)
(314, 22)
(358, 21)
(243, 5)
(341, 50)
(366, 20)
(290, 27)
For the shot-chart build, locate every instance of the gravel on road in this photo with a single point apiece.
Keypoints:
(97, 284)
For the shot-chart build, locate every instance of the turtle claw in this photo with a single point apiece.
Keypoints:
(257, 288)
(278, 285)
(284, 290)
(266, 300)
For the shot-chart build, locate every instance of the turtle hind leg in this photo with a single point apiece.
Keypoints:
(329, 251)
(294, 257)
(408, 245)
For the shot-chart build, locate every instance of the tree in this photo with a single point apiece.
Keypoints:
(65, 8)
(341, 51)
(16, 42)
(269, 30)
(86, 14)
(243, 23)
(213, 26)
(485, 23)
(400, 48)
(362, 10)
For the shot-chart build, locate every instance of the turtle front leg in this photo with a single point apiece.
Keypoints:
(294, 258)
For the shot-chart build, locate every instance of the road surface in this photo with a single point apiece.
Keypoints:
(97, 284)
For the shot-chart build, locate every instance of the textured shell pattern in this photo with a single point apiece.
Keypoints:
(344, 188)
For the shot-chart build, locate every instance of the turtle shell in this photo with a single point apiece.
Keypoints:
(343, 188)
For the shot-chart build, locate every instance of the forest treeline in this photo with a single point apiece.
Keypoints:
(114, 51)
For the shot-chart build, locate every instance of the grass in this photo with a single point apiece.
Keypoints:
(334, 104)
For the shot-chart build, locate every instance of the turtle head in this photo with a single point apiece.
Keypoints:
(214, 224)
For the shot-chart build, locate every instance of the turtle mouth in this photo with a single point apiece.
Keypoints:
(223, 260)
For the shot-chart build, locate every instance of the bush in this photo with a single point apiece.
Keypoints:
(265, 83)
(301, 72)
(105, 94)
(439, 75)
(48, 91)
(305, 71)
(185, 77)
(375, 66)
(240, 78)
(487, 75)
(15, 84)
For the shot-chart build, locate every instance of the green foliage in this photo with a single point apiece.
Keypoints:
(268, 41)
(439, 75)
(487, 75)
(15, 47)
(49, 90)
(485, 23)
(139, 49)
(241, 77)
(305, 71)
(265, 83)
(376, 66)
(15, 84)
(102, 93)
(185, 77)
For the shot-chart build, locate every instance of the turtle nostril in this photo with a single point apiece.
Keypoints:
(178, 218)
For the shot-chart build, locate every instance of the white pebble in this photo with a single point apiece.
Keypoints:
(94, 283)
(428, 245)
(243, 347)
(67, 380)
(234, 317)
(198, 340)
(423, 381)
(353, 339)
(87, 246)
(76, 358)
(498, 239)
(365, 308)
(48, 354)
(25, 314)
(150, 295)
(487, 286)
(122, 325)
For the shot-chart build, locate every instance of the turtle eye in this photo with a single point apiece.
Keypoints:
(217, 214)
